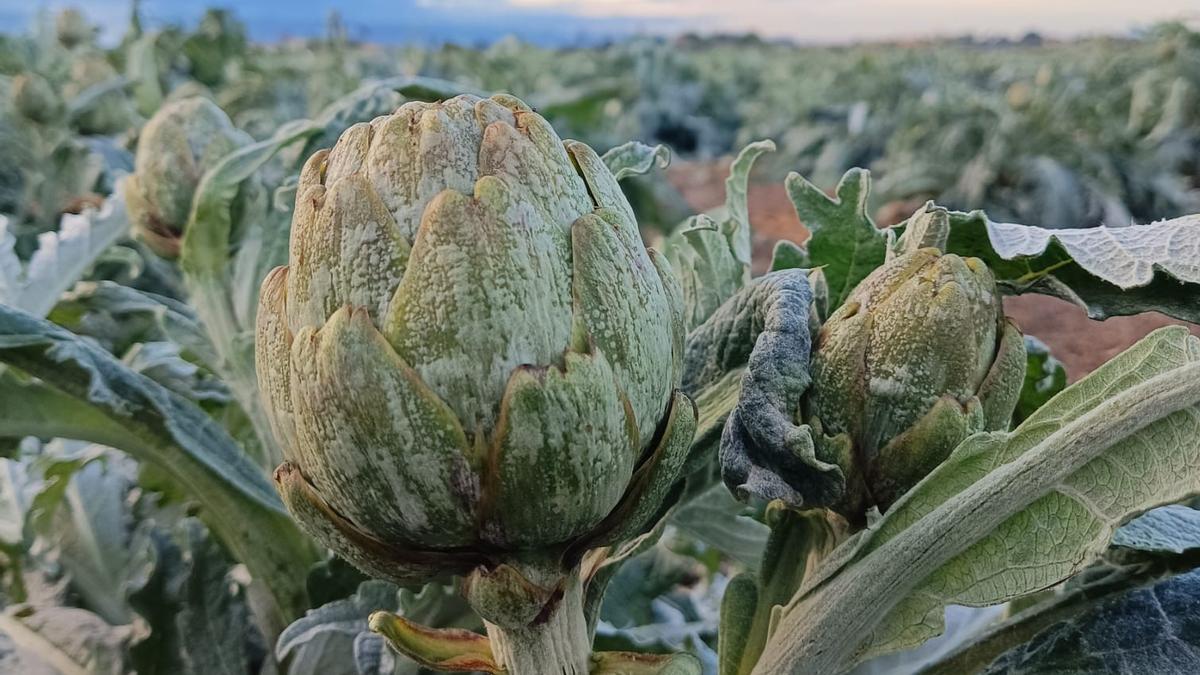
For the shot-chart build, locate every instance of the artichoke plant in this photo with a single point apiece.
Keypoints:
(178, 145)
(472, 364)
(918, 357)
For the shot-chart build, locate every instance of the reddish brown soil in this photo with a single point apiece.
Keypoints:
(1079, 342)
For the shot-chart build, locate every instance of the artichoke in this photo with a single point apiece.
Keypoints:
(918, 357)
(178, 145)
(35, 99)
(72, 28)
(471, 361)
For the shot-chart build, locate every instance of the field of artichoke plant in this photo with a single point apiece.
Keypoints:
(327, 358)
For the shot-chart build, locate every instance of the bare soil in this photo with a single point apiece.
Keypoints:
(1080, 343)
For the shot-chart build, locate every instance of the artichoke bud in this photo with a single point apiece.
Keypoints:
(471, 360)
(72, 28)
(177, 146)
(34, 98)
(919, 357)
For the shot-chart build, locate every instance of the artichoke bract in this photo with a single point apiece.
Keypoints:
(918, 357)
(177, 146)
(471, 360)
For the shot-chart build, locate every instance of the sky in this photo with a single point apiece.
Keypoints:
(566, 21)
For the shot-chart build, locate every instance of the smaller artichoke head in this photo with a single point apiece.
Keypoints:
(917, 358)
(71, 28)
(35, 99)
(177, 146)
(471, 360)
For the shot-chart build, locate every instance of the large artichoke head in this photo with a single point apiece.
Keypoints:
(177, 146)
(918, 357)
(470, 358)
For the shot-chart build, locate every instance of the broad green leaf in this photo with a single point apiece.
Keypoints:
(120, 316)
(634, 159)
(92, 396)
(845, 242)
(1008, 514)
(711, 253)
(1108, 271)
(717, 519)
(61, 258)
(141, 67)
(213, 622)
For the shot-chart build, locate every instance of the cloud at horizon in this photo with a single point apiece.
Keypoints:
(571, 21)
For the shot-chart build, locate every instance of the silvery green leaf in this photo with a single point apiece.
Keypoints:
(61, 258)
(1108, 271)
(711, 253)
(635, 158)
(66, 640)
(1113, 445)
(323, 641)
(207, 257)
(717, 519)
(81, 510)
(117, 316)
(84, 393)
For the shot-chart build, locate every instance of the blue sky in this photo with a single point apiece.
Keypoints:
(564, 21)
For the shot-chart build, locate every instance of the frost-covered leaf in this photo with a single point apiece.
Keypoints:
(1155, 629)
(1108, 271)
(1008, 514)
(61, 258)
(845, 242)
(635, 158)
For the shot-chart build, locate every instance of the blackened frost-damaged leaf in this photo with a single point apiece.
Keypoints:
(1155, 629)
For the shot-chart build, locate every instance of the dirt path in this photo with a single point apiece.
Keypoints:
(1079, 342)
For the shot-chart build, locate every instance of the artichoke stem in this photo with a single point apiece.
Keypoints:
(556, 642)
